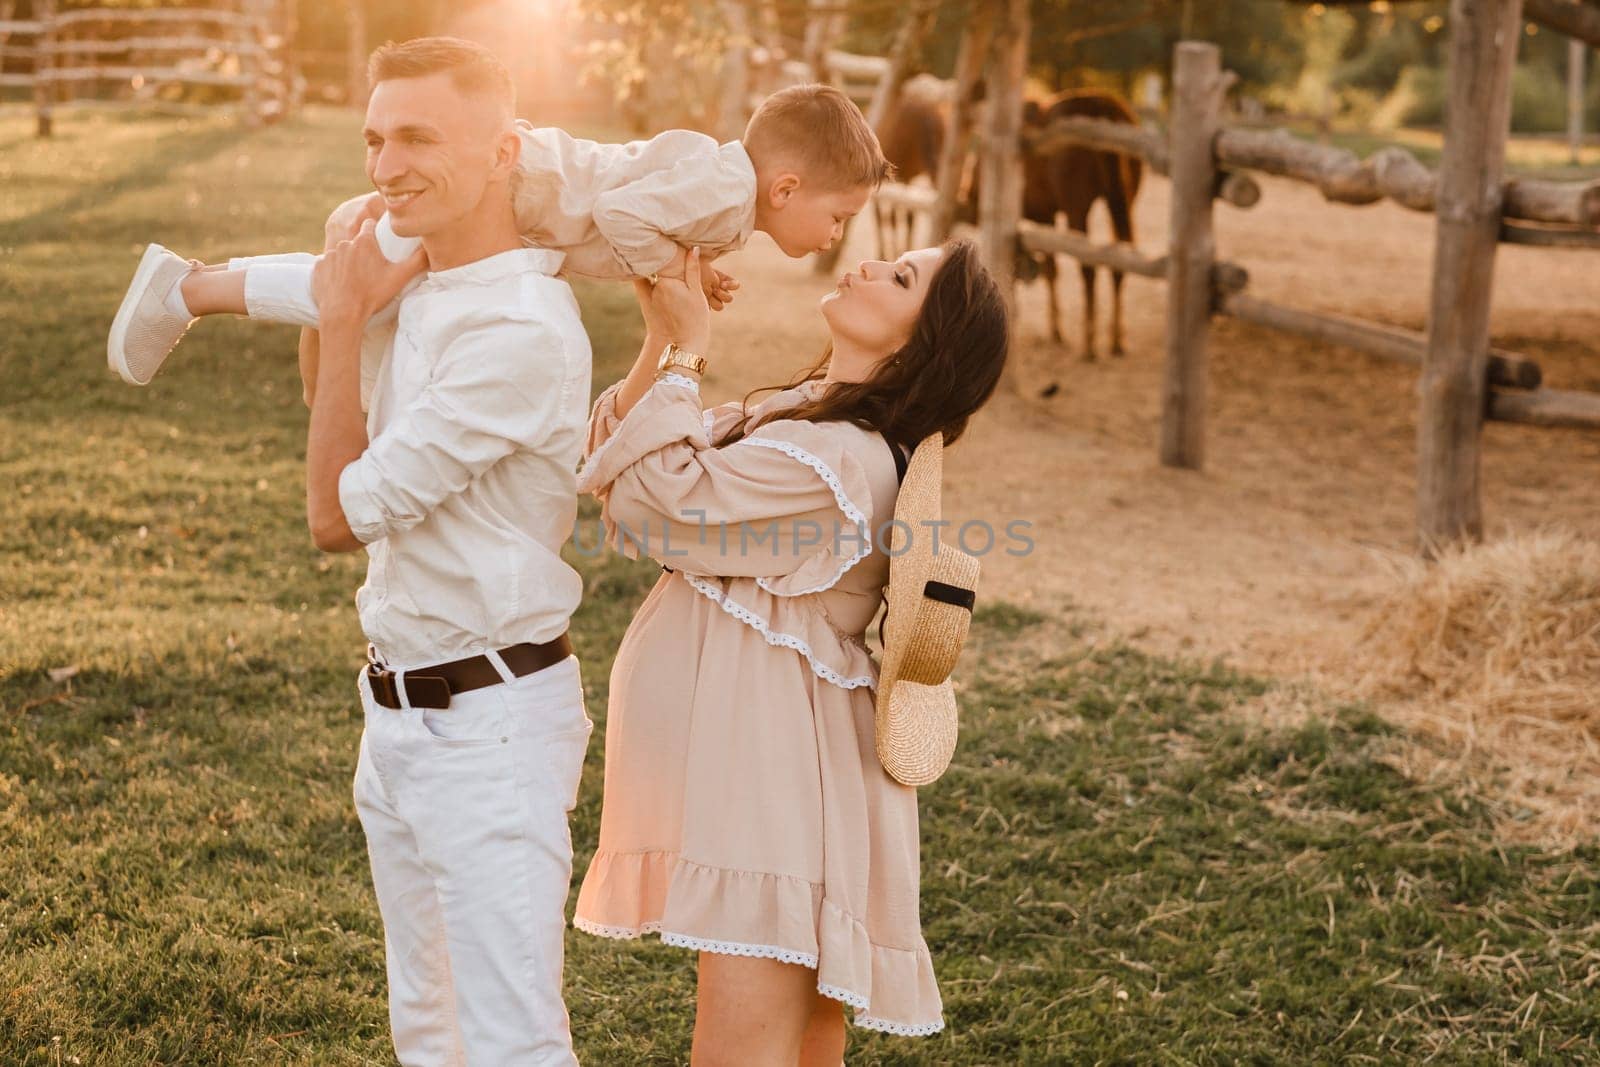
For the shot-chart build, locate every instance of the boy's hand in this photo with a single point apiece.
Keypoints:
(717, 286)
(675, 266)
(353, 280)
(346, 219)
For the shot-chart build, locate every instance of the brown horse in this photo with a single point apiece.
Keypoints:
(911, 137)
(1068, 181)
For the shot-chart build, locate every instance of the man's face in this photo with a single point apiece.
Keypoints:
(432, 150)
(811, 219)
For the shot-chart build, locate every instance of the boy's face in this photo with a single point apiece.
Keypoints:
(432, 150)
(804, 218)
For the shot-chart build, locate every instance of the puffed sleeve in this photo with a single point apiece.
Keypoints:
(787, 505)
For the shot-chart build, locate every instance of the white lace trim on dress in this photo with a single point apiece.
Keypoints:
(867, 1022)
(737, 948)
(846, 505)
(616, 933)
(680, 381)
(843, 996)
(773, 637)
(854, 1001)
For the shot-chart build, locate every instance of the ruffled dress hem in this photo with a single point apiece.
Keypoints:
(733, 913)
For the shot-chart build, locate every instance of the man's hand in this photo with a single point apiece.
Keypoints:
(346, 219)
(354, 280)
(717, 286)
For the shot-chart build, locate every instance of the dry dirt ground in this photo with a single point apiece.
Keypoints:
(1274, 555)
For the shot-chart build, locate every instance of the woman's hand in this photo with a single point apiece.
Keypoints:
(345, 220)
(679, 310)
(642, 291)
(353, 280)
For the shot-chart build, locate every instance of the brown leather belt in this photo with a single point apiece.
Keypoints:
(432, 687)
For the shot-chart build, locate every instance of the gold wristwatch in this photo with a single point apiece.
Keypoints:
(673, 357)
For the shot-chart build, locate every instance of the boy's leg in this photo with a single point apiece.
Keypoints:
(168, 292)
(213, 292)
(275, 288)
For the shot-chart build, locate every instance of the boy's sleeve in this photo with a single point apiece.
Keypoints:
(699, 200)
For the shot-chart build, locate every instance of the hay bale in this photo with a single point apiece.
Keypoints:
(1494, 652)
(1509, 628)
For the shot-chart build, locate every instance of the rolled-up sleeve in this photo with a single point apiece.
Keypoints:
(496, 389)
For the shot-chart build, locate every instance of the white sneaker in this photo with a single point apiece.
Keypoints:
(145, 330)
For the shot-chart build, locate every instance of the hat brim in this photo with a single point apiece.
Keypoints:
(916, 731)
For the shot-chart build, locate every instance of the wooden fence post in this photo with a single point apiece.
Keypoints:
(907, 46)
(735, 93)
(1483, 50)
(907, 43)
(1577, 51)
(248, 33)
(1198, 85)
(957, 146)
(355, 21)
(44, 12)
(1000, 164)
(825, 22)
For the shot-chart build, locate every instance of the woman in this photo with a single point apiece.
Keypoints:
(745, 812)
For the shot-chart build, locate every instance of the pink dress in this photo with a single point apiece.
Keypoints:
(745, 810)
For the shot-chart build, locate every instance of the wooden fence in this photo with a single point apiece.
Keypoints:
(73, 56)
(1464, 379)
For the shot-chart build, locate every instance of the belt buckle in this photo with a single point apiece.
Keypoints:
(421, 690)
(381, 681)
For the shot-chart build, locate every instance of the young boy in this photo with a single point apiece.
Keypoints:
(807, 162)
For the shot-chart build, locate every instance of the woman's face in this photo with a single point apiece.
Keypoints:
(875, 306)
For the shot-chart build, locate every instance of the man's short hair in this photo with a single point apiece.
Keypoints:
(820, 131)
(473, 69)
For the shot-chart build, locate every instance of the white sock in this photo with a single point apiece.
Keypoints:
(175, 302)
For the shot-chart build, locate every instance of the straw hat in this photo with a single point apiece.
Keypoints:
(930, 594)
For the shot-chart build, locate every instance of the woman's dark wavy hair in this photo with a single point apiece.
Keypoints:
(935, 381)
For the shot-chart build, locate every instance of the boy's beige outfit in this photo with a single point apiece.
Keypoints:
(622, 210)
(617, 211)
(745, 809)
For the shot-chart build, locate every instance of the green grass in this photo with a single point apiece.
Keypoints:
(1118, 868)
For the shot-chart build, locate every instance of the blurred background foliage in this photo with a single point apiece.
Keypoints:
(655, 63)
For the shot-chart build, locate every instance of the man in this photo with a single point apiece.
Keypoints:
(459, 482)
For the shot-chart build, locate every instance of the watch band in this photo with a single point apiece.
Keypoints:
(673, 357)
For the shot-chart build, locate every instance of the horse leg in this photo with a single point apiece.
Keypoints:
(1078, 221)
(1124, 183)
(1048, 272)
(1088, 311)
(1116, 313)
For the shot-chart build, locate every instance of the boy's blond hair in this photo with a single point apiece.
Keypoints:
(473, 69)
(819, 131)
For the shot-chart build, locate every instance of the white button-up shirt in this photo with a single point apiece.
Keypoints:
(468, 488)
(622, 210)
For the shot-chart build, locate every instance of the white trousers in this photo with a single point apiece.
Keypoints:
(465, 813)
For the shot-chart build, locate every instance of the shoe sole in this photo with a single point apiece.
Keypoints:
(116, 356)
